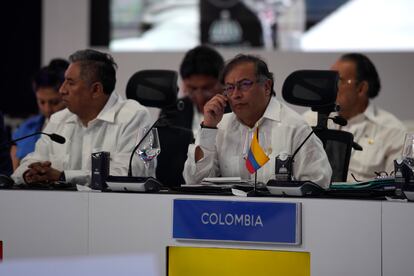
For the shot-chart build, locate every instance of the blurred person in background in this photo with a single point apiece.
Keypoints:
(46, 84)
(379, 132)
(95, 119)
(199, 72)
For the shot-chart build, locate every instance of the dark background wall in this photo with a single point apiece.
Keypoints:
(21, 38)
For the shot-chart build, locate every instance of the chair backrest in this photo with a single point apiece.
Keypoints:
(312, 88)
(153, 88)
(338, 147)
(158, 88)
(318, 89)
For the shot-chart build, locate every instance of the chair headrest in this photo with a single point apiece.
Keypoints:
(312, 88)
(153, 88)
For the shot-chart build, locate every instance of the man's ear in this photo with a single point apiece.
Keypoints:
(268, 87)
(363, 88)
(97, 89)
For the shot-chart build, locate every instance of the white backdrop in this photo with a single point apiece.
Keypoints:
(66, 29)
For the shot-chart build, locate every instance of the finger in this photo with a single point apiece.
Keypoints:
(221, 97)
(39, 170)
(46, 164)
(35, 164)
(214, 110)
(29, 172)
(218, 109)
(222, 101)
(39, 178)
(218, 103)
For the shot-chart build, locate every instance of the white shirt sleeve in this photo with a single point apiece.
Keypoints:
(207, 166)
(41, 153)
(311, 162)
(118, 135)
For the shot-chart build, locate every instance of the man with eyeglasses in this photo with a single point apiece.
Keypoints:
(380, 133)
(223, 141)
(199, 72)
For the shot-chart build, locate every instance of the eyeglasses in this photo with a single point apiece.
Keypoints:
(242, 86)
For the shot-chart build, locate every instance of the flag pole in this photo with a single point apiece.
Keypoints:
(255, 182)
(254, 192)
(255, 173)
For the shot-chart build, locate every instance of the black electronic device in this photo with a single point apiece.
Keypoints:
(379, 187)
(6, 182)
(284, 163)
(284, 182)
(53, 136)
(403, 171)
(100, 169)
(132, 184)
(404, 177)
(294, 188)
(283, 167)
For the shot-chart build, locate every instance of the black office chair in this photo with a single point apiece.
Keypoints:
(158, 88)
(317, 89)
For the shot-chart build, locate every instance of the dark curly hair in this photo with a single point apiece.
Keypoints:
(96, 66)
(365, 71)
(262, 71)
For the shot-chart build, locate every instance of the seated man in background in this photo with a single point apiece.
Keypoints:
(5, 160)
(46, 84)
(380, 133)
(96, 119)
(199, 72)
(223, 141)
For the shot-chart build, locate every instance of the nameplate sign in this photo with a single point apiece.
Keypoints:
(239, 221)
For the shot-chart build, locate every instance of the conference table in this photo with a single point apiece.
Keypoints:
(342, 236)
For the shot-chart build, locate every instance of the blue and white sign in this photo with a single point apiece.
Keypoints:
(269, 222)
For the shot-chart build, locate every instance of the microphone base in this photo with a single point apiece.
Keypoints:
(294, 188)
(131, 184)
(255, 193)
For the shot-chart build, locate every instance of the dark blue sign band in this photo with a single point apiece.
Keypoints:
(272, 222)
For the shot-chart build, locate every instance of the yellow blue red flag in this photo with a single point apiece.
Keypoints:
(256, 157)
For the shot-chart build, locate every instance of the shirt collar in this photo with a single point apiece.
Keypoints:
(107, 113)
(272, 112)
(370, 113)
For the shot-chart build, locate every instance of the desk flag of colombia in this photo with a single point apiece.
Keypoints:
(256, 157)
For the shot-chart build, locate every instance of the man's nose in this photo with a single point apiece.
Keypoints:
(237, 92)
(62, 89)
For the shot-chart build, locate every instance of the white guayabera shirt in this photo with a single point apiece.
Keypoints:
(381, 136)
(281, 130)
(115, 129)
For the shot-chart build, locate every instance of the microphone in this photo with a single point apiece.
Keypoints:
(284, 162)
(339, 120)
(130, 183)
(53, 136)
(140, 142)
(56, 138)
(284, 183)
(343, 122)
